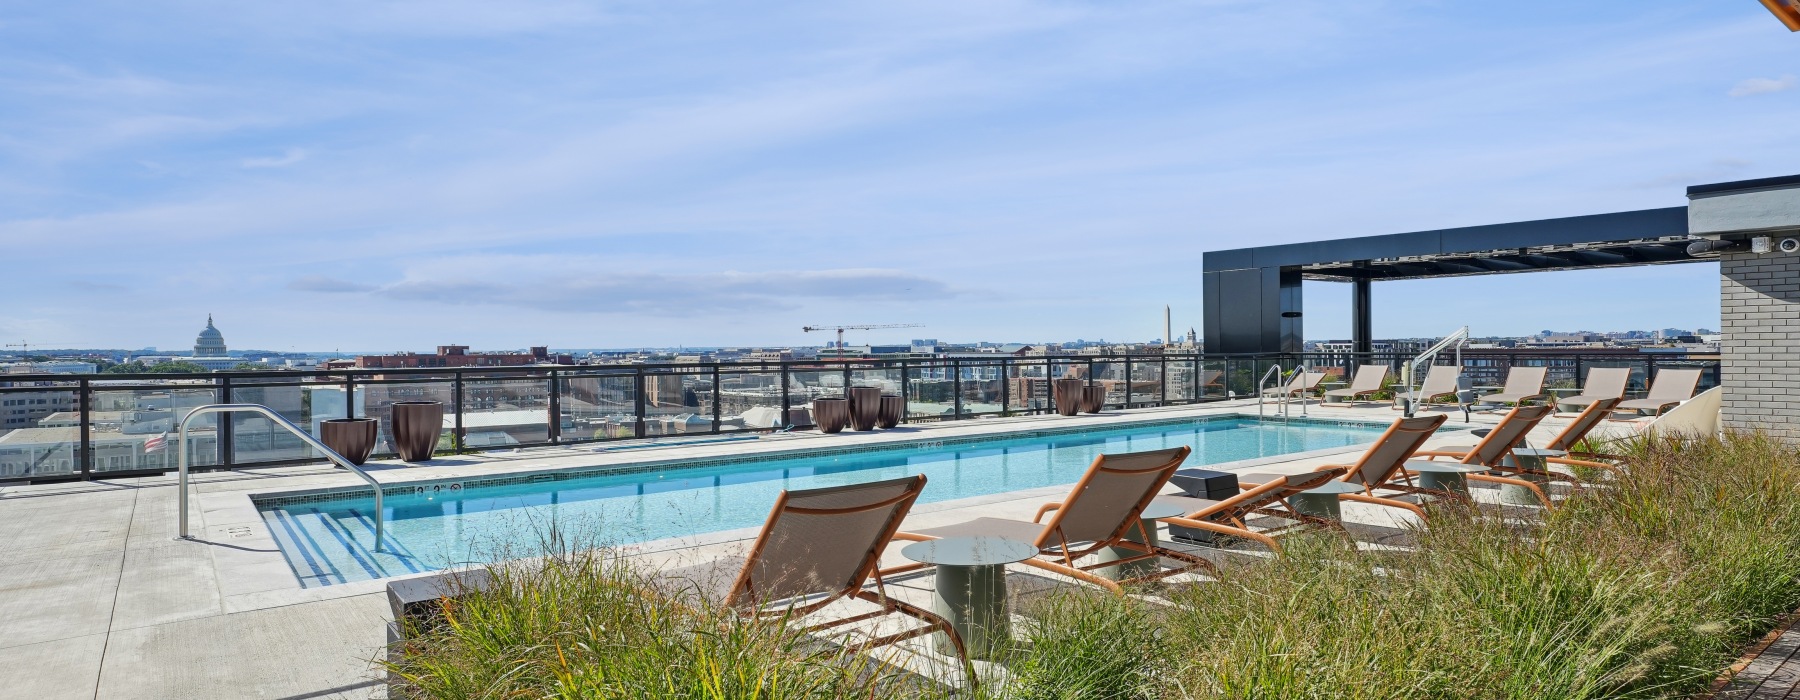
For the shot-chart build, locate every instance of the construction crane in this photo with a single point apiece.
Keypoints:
(840, 329)
(25, 346)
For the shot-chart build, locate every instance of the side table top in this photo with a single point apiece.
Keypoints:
(969, 551)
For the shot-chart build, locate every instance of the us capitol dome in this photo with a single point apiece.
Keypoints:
(210, 342)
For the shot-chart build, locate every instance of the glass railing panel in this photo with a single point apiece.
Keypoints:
(812, 382)
(677, 403)
(931, 391)
(40, 434)
(137, 427)
(1179, 383)
(256, 439)
(982, 385)
(750, 400)
(379, 396)
(500, 411)
(598, 405)
(1028, 386)
(1145, 387)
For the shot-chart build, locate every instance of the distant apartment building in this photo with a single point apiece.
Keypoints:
(459, 356)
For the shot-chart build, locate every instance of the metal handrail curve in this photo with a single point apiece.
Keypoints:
(1261, 388)
(278, 419)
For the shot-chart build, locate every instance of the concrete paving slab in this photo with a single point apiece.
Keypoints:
(65, 668)
(164, 584)
(319, 650)
(57, 599)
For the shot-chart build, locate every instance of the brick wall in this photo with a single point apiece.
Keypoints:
(1759, 299)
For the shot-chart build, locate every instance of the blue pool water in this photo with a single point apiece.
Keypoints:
(330, 541)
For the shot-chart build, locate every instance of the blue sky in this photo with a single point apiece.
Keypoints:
(394, 175)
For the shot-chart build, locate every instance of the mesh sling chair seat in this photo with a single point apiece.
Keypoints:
(1440, 382)
(1367, 381)
(1382, 467)
(1100, 511)
(1499, 444)
(1302, 384)
(1522, 384)
(1578, 429)
(1671, 387)
(1229, 517)
(1602, 383)
(820, 546)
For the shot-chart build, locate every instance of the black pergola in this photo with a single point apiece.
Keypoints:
(1253, 299)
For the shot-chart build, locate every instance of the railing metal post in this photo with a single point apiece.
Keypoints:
(956, 386)
(715, 398)
(86, 397)
(786, 403)
(555, 409)
(638, 403)
(1127, 403)
(227, 427)
(905, 390)
(456, 405)
(1005, 386)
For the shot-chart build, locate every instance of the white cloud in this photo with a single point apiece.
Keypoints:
(292, 156)
(1759, 86)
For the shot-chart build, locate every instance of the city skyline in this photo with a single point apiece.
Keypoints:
(401, 178)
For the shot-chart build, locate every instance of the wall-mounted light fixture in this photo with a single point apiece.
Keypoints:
(1761, 245)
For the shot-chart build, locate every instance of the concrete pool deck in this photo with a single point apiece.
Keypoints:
(98, 598)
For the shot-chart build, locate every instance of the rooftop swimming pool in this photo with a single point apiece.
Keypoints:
(328, 538)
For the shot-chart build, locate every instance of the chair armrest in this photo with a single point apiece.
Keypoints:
(1440, 453)
(1047, 508)
(910, 537)
(1226, 530)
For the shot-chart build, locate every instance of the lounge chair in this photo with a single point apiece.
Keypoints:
(1381, 468)
(1579, 428)
(1499, 444)
(817, 547)
(1302, 384)
(1522, 384)
(1671, 387)
(1367, 382)
(1440, 382)
(1100, 512)
(1227, 517)
(1602, 383)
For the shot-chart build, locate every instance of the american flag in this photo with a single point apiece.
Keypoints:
(156, 444)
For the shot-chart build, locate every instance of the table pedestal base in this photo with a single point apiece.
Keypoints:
(973, 600)
(1515, 495)
(1323, 505)
(1454, 482)
(1134, 569)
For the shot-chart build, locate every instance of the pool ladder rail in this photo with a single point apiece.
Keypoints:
(1262, 387)
(278, 419)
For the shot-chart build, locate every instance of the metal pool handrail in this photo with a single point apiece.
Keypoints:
(277, 419)
(1261, 388)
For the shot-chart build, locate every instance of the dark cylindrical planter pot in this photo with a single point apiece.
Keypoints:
(1067, 393)
(1093, 398)
(865, 407)
(354, 438)
(831, 414)
(417, 425)
(893, 408)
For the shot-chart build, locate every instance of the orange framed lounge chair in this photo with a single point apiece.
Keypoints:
(1101, 510)
(1522, 384)
(1367, 381)
(1499, 444)
(1381, 468)
(1228, 517)
(1671, 387)
(1602, 383)
(820, 546)
(1576, 430)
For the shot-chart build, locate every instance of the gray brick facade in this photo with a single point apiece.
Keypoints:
(1759, 300)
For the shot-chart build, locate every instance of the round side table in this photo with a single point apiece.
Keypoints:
(1443, 476)
(1145, 533)
(971, 588)
(1323, 501)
